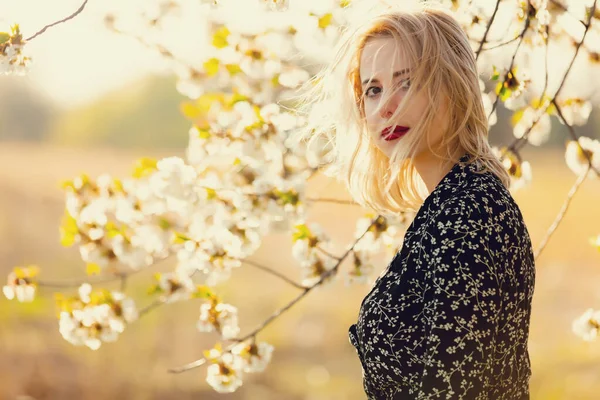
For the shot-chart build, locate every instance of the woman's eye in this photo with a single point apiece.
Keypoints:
(405, 84)
(368, 91)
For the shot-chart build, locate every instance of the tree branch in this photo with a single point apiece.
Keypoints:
(561, 213)
(79, 10)
(273, 272)
(329, 200)
(487, 30)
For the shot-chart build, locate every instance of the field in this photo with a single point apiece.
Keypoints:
(313, 359)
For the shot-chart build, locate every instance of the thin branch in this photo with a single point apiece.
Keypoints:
(487, 30)
(561, 213)
(501, 44)
(328, 254)
(123, 282)
(155, 46)
(76, 283)
(79, 10)
(587, 29)
(189, 366)
(273, 272)
(566, 10)
(324, 276)
(150, 307)
(336, 201)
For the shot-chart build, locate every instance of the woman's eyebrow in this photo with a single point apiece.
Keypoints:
(396, 74)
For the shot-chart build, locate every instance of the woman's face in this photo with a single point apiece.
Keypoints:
(384, 69)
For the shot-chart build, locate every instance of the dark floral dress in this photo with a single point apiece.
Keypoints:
(449, 318)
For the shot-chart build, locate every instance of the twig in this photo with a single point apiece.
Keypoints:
(501, 44)
(101, 279)
(561, 213)
(336, 201)
(59, 22)
(487, 30)
(566, 10)
(150, 307)
(328, 254)
(273, 272)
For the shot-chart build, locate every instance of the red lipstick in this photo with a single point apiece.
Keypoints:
(397, 132)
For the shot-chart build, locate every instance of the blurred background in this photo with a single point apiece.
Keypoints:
(95, 102)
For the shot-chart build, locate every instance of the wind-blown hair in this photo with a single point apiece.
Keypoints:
(442, 64)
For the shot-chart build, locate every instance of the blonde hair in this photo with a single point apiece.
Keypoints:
(442, 63)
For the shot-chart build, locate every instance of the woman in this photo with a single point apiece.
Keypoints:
(449, 318)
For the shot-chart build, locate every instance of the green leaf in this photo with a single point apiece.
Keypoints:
(325, 20)
(68, 230)
(210, 193)
(233, 69)
(155, 289)
(220, 38)
(302, 232)
(203, 292)
(495, 74)
(211, 66)
(4, 37)
(180, 238)
(144, 166)
(516, 117)
(92, 269)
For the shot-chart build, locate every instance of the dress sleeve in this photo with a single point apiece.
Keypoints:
(462, 303)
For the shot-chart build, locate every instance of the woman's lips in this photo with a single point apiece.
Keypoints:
(397, 133)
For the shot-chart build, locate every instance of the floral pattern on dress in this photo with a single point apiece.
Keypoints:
(449, 318)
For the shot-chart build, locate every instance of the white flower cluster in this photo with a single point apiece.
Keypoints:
(243, 146)
(259, 59)
(313, 249)
(575, 110)
(95, 317)
(587, 326)
(12, 59)
(219, 317)
(173, 287)
(21, 284)
(518, 170)
(535, 123)
(114, 221)
(575, 155)
(226, 373)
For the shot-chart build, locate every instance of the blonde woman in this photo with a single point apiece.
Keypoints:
(449, 317)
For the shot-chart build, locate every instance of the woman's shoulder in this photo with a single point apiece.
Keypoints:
(481, 201)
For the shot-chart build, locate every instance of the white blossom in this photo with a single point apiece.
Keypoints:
(576, 111)
(587, 325)
(540, 133)
(95, 318)
(21, 284)
(255, 356)
(224, 376)
(219, 317)
(575, 155)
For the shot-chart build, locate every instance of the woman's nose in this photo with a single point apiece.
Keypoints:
(387, 110)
